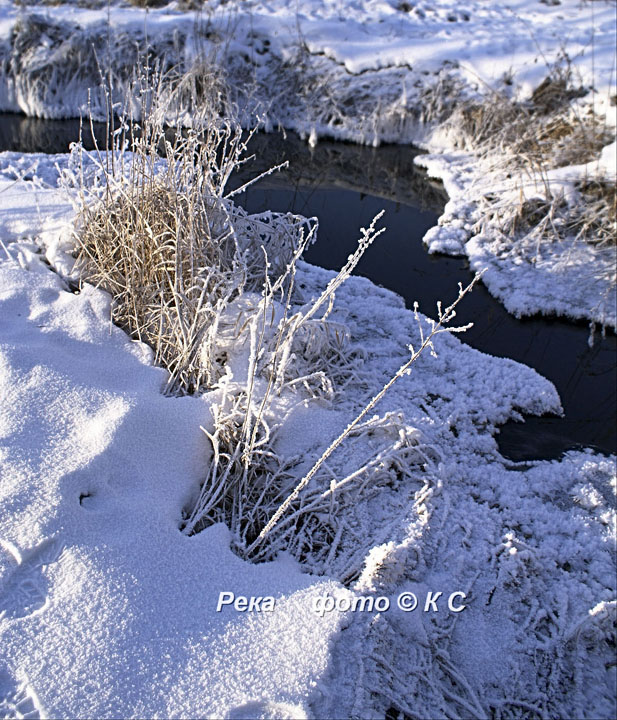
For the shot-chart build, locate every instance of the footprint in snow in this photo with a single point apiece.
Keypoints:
(23, 587)
(17, 700)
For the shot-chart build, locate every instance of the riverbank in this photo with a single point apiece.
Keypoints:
(423, 73)
(113, 603)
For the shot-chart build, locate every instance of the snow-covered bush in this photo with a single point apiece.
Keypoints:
(50, 68)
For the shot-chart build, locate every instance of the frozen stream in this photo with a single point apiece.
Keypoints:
(345, 186)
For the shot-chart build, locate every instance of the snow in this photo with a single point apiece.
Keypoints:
(108, 610)
(356, 70)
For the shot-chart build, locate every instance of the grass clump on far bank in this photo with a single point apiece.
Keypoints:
(527, 141)
(547, 130)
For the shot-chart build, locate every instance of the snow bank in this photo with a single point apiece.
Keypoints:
(370, 71)
(107, 609)
(570, 277)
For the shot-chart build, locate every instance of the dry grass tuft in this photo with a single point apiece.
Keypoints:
(555, 92)
(159, 234)
(525, 140)
(543, 132)
(169, 262)
(149, 3)
(597, 220)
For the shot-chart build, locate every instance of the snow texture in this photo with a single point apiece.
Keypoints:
(107, 610)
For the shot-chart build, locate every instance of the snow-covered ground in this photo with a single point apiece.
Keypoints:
(107, 610)
(370, 71)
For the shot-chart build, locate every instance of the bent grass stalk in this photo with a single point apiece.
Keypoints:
(444, 316)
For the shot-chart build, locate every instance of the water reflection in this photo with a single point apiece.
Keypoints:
(386, 172)
(345, 185)
(24, 134)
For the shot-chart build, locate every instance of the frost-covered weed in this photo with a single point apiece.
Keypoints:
(283, 355)
(161, 236)
(212, 290)
(392, 455)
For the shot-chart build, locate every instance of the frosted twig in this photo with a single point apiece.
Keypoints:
(444, 317)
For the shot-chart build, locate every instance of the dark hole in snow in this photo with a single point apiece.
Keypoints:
(393, 713)
(345, 185)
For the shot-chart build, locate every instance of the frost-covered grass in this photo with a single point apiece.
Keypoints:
(106, 608)
(162, 238)
(212, 291)
(525, 141)
(517, 94)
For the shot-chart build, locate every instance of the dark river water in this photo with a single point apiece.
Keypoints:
(345, 185)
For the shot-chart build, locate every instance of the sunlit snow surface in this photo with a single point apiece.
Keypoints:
(107, 610)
